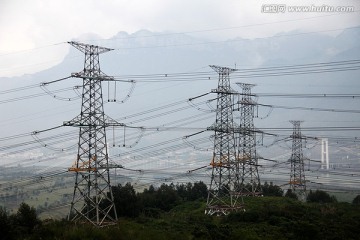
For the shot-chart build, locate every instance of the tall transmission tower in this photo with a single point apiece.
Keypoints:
(222, 194)
(247, 157)
(297, 176)
(92, 198)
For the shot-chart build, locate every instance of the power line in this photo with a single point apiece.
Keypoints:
(205, 76)
(311, 108)
(285, 70)
(300, 95)
(31, 49)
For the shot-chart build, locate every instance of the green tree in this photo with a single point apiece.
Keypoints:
(166, 197)
(4, 224)
(182, 191)
(147, 198)
(356, 200)
(191, 192)
(198, 191)
(272, 190)
(290, 194)
(320, 196)
(26, 219)
(126, 201)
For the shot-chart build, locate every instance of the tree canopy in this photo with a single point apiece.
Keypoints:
(320, 196)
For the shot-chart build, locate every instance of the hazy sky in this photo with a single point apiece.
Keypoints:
(37, 25)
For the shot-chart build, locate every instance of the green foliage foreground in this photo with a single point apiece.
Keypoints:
(179, 216)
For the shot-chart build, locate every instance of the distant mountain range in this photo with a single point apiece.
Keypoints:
(146, 52)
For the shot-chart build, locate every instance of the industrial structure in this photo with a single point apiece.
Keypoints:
(246, 144)
(223, 193)
(325, 154)
(92, 199)
(297, 175)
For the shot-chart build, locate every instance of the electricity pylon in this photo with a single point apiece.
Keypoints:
(222, 195)
(92, 198)
(246, 144)
(297, 176)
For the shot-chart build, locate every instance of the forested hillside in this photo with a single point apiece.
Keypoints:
(177, 212)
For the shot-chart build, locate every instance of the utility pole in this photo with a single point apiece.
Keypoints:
(92, 200)
(222, 195)
(297, 176)
(246, 144)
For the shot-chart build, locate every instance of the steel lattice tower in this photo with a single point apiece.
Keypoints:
(92, 198)
(247, 157)
(297, 177)
(222, 195)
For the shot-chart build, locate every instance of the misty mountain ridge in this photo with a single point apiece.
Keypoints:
(154, 52)
(146, 52)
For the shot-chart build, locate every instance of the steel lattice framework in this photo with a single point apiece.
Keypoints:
(247, 157)
(222, 196)
(297, 176)
(92, 198)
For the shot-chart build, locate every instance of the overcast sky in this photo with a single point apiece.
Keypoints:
(37, 25)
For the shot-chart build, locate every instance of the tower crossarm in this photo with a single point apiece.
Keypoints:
(93, 169)
(109, 122)
(99, 77)
(78, 122)
(88, 48)
(224, 91)
(223, 70)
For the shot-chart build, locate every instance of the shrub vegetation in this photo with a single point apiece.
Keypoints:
(177, 212)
